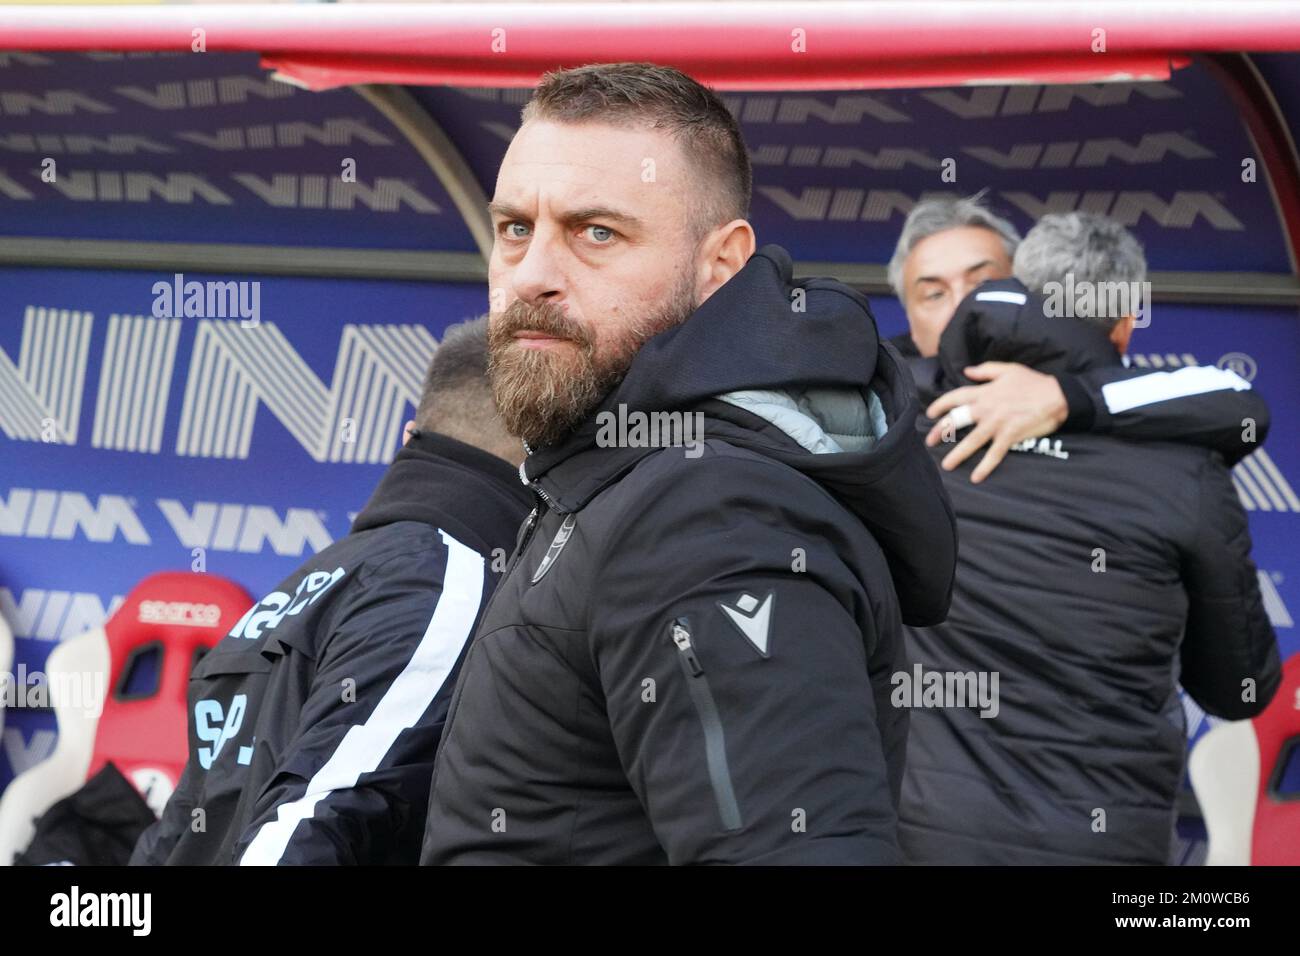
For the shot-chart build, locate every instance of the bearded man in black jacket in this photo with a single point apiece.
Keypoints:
(688, 659)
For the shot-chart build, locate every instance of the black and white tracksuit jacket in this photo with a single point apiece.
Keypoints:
(689, 658)
(1093, 574)
(314, 724)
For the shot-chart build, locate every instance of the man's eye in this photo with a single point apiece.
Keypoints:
(933, 296)
(511, 226)
(600, 234)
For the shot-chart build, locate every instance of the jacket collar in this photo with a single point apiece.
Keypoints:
(471, 494)
(1002, 321)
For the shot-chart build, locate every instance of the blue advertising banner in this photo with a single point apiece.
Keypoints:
(133, 444)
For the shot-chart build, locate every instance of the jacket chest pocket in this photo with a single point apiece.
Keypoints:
(226, 691)
(221, 663)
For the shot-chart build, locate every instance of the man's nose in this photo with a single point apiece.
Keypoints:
(960, 289)
(539, 274)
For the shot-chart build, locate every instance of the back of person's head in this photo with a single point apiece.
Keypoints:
(660, 97)
(1083, 250)
(932, 216)
(457, 398)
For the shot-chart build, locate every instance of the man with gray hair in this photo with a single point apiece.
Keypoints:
(1060, 243)
(947, 249)
(1093, 575)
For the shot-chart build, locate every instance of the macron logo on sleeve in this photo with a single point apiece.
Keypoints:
(752, 619)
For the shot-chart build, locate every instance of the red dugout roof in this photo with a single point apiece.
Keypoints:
(742, 45)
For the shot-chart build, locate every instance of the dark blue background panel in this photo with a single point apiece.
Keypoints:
(835, 173)
(206, 148)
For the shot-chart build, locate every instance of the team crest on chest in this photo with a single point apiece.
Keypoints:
(557, 545)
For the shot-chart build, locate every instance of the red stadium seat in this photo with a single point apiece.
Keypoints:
(155, 635)
(1239, 771)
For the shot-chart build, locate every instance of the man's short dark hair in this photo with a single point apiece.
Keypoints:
(635, 94)
(457, 398)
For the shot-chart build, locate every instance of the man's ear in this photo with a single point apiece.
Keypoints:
(725, 252)
(406, 432)
(1121, 332)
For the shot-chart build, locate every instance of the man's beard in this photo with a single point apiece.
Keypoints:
(544, 393)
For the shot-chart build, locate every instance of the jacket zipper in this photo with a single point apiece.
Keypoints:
(715, 747)
(532, 486)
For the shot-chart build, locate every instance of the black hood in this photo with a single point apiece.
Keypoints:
(763, 330)
(471, 494)
(926, 372)
(1002, 321)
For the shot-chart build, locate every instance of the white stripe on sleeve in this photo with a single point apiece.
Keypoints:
(997, 295)
(405, 701)
(1162, 386)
